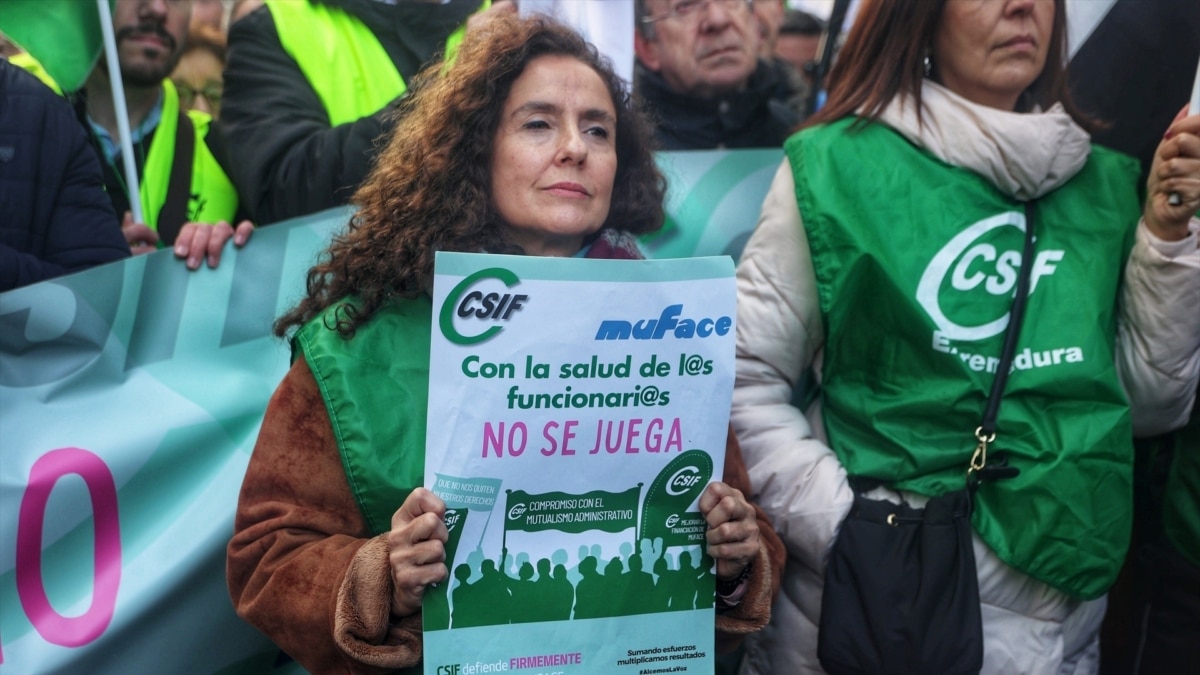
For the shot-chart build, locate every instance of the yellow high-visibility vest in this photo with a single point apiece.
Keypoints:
(212, 197)
(341, 58)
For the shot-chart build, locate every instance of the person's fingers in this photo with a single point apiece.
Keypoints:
(425, 527)
(734, 554)
(185, 244)
(1181, 147)
(219, 233)
(241, 235)
(191, 243)
(413, 569)
(1183, 123)
(416, 549)
(1186, 186)
(1173, 188)
(732, 536)
(140, 238)
(413, 579)
(419, 501)
(406, 557)
(721, 503)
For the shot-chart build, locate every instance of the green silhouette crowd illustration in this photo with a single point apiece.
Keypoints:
(481, 593)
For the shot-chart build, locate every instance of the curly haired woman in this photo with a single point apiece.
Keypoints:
(527, 145)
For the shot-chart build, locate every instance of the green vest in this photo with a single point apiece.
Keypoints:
(212, 195)
(916, 263)
(1181, 510)
(376, 390)
(341, 58)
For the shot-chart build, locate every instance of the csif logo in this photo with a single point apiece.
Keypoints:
(673, 520)
(971, 262)
(468, 303)
(452, 519)
(516, 512)
(684, 479)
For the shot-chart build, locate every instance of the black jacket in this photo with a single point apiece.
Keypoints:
(760, 116)
(54, 215)
(286, 159)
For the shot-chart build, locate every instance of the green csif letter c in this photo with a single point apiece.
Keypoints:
(446, 315)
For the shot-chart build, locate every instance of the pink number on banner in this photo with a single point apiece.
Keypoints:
(54, 627)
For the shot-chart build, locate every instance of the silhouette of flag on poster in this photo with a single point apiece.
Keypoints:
(566, 512)
(674, 490)
(463, 495)
(62, 35)
(475, 494)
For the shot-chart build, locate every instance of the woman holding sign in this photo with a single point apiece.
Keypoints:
(528, 144)
(947, 189)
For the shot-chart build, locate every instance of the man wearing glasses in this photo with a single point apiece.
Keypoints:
(698, 70)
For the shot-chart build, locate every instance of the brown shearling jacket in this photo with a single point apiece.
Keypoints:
(304, 569)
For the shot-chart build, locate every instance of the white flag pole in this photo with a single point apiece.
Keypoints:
(118, 94)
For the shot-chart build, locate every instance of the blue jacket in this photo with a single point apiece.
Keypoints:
(55, 217)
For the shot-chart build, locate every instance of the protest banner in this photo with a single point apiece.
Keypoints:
(130, 399)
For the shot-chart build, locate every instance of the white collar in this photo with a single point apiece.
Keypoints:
(1025, 155)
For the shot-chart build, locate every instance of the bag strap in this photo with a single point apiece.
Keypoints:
(174, 211)
(986, 433)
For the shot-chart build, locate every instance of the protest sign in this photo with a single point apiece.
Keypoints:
(577, 410)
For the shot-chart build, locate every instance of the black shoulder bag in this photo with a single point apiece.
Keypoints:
(901, 593)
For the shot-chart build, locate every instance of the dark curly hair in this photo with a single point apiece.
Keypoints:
(430, 187)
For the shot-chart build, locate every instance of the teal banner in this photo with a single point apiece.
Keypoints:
(130, 400)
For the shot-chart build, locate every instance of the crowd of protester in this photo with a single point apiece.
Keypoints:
(245, 113)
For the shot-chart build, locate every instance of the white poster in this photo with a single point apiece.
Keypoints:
(577, 410)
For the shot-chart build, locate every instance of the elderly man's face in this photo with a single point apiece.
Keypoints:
(709, 51)
(150, 38)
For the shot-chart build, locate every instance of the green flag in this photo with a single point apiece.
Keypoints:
(63, 35)
(678, 485)
(566, 512)
(476, 494)
(456, 521)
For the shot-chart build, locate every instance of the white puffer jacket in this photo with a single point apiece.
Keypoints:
(1028, 626)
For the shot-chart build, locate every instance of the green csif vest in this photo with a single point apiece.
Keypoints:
(916, 264)
(376, 390)
(212, 197)
(341, 58)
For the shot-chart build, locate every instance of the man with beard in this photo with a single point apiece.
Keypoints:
(698, 70)
(187, 199)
